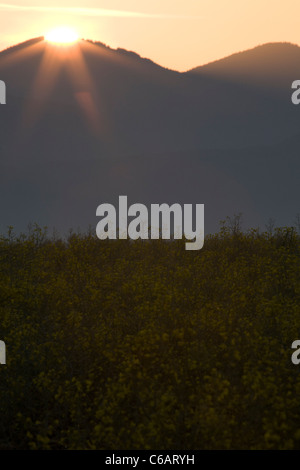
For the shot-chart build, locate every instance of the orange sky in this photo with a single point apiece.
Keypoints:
(177, 34)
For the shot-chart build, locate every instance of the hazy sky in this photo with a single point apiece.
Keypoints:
(179, 34)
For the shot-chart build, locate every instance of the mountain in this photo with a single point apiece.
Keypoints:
(86, 123)
(277, 60)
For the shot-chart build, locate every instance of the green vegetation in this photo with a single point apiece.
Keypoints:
(143, 345)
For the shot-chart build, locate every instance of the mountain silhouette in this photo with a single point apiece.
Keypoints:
(85, 123)
(277, 60)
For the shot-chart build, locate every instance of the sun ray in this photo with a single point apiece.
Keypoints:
(24, 51)
(85, 91)
(69, 59)
(43, 84)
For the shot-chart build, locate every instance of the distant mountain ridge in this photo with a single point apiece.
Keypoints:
(287, 52)
(271, 65)
(22, 45)
(273, 51)
(86, 126)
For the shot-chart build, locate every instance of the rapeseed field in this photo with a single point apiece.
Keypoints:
(143, 345)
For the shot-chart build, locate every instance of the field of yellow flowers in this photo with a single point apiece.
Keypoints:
(144, 345)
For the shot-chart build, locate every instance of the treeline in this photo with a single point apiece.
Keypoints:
(143, 345)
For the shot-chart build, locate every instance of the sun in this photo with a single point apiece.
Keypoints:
(62, 36)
